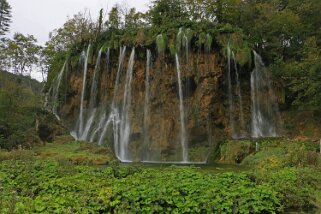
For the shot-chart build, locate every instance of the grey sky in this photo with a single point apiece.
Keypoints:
(39, 17)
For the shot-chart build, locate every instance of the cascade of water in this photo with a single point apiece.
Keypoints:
(125, 120)
(239, 94)
(107, 60)
(230, 96)
(81, 112)
(48, 97)
(265, 114)
(56, 91)
(90, 121)
(147, 100)
(182, 114)
(93, 98)
(66, 74)
(114, 115)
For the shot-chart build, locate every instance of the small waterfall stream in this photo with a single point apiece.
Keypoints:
(125, 120)
(55, 89)
(107, 60)
(81, 112)
(237, 127)
(146, 105)
(230, 95)
(239, 94)
(182, 114)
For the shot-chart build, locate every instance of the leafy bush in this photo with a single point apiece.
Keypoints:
(297, 187)
(276, 154)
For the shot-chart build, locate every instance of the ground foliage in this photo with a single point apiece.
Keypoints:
(52, 187)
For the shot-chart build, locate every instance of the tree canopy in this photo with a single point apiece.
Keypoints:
(5, 17)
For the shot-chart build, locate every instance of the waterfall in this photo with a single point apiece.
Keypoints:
(240, 126)
(182, 114)
(264, 112)
(147, 100)
(107, 60)
(230, 95)
(93, 98)
(81, 112)
(125, 120)
(239, 94)
(48, 98)
(56, 91)
(114, 114)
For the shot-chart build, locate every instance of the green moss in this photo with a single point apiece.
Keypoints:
(76, 152)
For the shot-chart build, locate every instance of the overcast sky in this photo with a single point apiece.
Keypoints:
(39, 17)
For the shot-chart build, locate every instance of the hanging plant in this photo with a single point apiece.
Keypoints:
(209, 42)
(189, 34)
(180, 39)
(201, 39)
(161, 43)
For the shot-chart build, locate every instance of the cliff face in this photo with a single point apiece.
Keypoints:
(154, 131)
(158, 136)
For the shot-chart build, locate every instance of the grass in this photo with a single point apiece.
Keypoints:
(64, 149)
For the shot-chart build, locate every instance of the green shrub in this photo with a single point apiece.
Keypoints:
(297, 187)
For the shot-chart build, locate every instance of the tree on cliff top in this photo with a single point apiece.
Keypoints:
(5, 17)
(23, 52)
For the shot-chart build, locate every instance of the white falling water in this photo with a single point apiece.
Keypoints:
(48, 98)
(107, 60)
(114, 114)
(90, 121)
(125, 120)
(182, 114)
(147, 101)
(230, 95)
(81, 112)
(239, 94)
(237, 129)
(55, 89)
(265, 114)
(92, 102)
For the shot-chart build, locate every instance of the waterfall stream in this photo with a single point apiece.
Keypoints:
(125, 120)
(265, 114)
(55, 89)
(182, 114)
(81, 112)
(146, 105)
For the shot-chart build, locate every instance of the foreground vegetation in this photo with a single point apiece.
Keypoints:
(69, 178)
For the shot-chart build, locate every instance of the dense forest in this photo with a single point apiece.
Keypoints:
(192, 106)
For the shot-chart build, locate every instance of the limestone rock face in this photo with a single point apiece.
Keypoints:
(205, 111)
